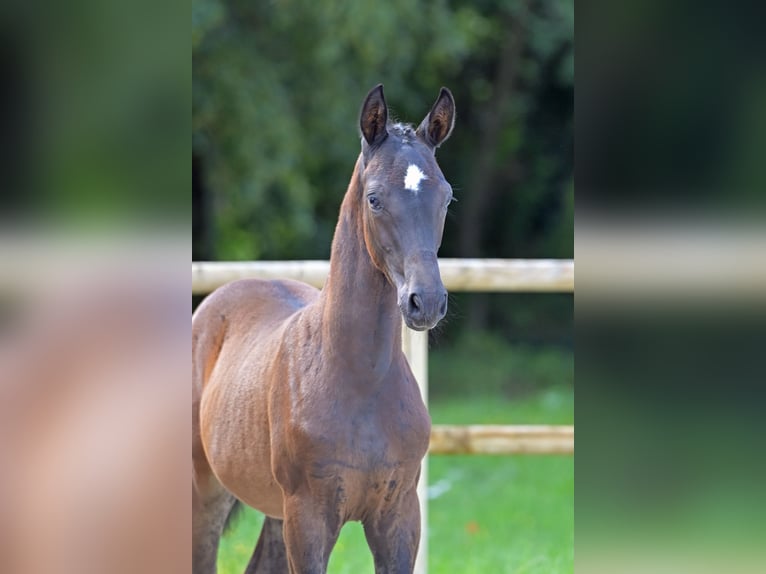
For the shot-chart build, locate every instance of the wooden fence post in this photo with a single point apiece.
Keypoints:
(415, 347)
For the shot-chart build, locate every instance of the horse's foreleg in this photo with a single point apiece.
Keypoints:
(394, 535)
(310, 533)
(270, 555)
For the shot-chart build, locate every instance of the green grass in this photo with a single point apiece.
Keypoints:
(495, 514)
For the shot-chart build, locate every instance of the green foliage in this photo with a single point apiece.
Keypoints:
(277, 88)
(276, 93)
(485, 364)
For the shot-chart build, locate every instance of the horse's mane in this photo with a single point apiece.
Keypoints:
(404, 131)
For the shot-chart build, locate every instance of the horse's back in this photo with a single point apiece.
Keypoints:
(257, 300)
(243, 314)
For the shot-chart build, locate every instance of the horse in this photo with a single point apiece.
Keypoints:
(304, 406)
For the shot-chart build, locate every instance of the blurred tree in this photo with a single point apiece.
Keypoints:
(277, 88)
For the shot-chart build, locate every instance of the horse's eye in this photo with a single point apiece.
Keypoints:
(375, 203)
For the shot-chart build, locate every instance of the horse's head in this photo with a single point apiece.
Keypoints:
(405, 203)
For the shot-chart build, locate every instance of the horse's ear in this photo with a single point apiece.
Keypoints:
(437, 125)
(374, 116)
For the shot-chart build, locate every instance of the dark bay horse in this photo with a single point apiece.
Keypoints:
(304, 406)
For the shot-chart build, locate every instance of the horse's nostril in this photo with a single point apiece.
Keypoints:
(443, 306)
(415, 303)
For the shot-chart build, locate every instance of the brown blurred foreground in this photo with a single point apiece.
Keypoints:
(94, 375)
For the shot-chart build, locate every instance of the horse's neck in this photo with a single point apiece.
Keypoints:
(360, 315)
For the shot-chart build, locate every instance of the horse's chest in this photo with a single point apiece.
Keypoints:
(370, 437)
(368, 440)
(364, 463)
(381, 441)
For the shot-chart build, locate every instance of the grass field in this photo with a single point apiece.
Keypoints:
(486, 514)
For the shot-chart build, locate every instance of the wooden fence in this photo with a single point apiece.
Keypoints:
(476, 275)
(521, 275)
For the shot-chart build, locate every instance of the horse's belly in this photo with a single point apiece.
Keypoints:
(247, 475)
(237, 446)
(262, 494)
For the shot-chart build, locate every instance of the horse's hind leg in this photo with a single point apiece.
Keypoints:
(211, 506)
(211, 502)
(270, 555)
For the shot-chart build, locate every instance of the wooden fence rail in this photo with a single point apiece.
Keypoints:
(520, 275)
(501, 439)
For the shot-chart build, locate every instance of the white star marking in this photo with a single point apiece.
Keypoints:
(413, 178)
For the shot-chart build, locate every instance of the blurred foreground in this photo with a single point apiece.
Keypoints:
(670, 328)
(94, 349)
(94, 372)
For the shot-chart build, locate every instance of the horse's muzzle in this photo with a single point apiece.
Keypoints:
(423, 309)
(422, 296)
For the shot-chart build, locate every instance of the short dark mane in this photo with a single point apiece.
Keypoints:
(404, 131)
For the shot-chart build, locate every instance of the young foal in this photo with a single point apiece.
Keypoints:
(304, 406)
